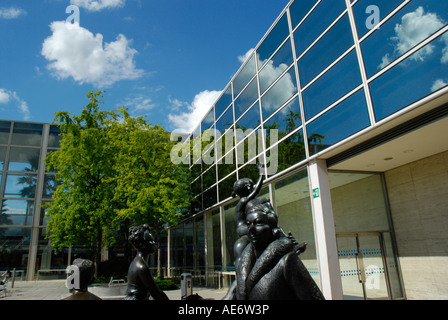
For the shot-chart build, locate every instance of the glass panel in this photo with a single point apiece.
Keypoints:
(189, 246)
(226, 165)
(2, 157)
(210, 197)
(23, 159)
(244, 76)
(333, 44)
(392, 268)
(365, 18)
(315, 24)
(284, 89)
(365, 210)
(208, 120)
(334, 84)
(250, 147)
(293, 206)
(47, 259)
(275, 67)
(5, 128)
(251, 118)
(225, 187)
(407, 28)
(199, 250)
(286, 120)
(224, 101)
(246, 99)
(27, 134)
(226, 121)
(277, 35)
(17, 212)
(15, 244)
(50, 185)
(343, 120)
(299, 9)
(214, 253)
(230, 235)
(416, 77)
(286, 154)
(20, 186)
(54, 138)
(348, 264)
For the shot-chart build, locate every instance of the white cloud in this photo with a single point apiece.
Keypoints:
(139, 104)
(414, 28)
(445, 50)
(97, 5)
(245, 56)
(438, 84)
(7, 96)
(76, 52)
(11, 13)
(188, 121)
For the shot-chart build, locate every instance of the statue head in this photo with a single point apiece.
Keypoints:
(262, 222)
(86, 272)
(242, 187)
(141, 238)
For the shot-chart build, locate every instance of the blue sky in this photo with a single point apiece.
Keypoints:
(166, 60)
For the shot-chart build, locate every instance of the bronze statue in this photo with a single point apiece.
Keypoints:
(267, 263)
(86, 275)
(141, 284)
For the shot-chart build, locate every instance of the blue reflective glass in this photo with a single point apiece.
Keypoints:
(17, 212)
(315, 24)
(54, 137)
(333, 44)
(299, 9)
(406, 29)
(423, 73)
(251, 118)
(2, 157)
(369, 12)
(244, 76)
(287, 153)
(342, 121)
(334, 84)
(284, 89)
(286, 120)
(223, 102)
(277, 35)
(247, 97)
(275, 67)
(226, 120)
(208, 120)
(20, 185)
(23, 159)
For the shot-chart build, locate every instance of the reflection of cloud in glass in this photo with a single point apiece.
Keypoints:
(414, 28)
(445, 50)
(281, 91)
(438, 84)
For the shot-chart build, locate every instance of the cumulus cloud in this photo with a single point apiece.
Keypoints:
(11, 13)
(245, 56)
(76, 52)
(97, 5)
(139, 104)
(188, 121)
(415, 27)
(7, 97)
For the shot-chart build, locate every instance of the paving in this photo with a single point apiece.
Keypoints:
(56, 290)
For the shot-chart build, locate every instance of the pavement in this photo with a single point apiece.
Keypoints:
(56, 290)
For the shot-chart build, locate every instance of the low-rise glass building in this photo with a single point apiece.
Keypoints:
(25, 185)
(345, 102)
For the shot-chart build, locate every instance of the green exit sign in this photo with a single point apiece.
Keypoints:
(316, 193)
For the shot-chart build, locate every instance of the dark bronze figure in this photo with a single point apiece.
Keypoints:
(267, 262)
(141, 284)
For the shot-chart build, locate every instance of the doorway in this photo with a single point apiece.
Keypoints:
(363, 266)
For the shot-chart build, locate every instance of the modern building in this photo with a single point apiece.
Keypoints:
(26, 185)
(346, 103)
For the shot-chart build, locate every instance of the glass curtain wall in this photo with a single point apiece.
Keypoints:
(21, 150)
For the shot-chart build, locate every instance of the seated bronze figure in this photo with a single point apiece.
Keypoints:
(141, 284)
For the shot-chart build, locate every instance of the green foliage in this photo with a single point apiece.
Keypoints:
(114, 171)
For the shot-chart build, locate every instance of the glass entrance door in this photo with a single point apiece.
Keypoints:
(362, 264)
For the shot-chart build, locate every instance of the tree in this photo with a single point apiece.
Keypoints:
(114, 171)
(81, 213)
(154, 190)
